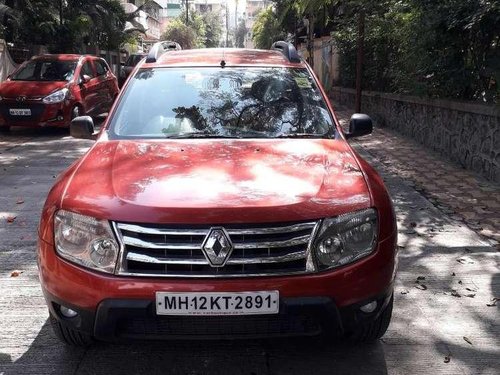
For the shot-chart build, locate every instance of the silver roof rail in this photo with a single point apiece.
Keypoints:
(160, 48)
(288, 50)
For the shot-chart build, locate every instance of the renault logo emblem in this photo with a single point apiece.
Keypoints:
(217, 247)
(21, 99)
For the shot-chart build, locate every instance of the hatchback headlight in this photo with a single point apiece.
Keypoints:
(85, 240)
(346, 238)
(56, 97)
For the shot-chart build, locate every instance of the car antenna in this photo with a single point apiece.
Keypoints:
(223, 62)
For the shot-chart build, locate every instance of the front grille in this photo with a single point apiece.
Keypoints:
(219, 326)
(258, 250)
(36, 111)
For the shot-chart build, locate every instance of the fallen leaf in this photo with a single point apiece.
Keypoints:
(447, 359)
(413, 224)
(467, 340)
(493, 302)
(471, 290)
(460, 281)
(453, 274)
(471, 295)
(454, 293)
(15, 273)
(405, 291)
(465, 260)
(420, 278)
(11, 219)
(20, 201)
(421, 286)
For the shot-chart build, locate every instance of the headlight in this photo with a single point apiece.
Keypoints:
(85, 240)
(346, 238)
(56, 97)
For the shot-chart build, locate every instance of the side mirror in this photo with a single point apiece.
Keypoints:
(82, 127)
(359, 125)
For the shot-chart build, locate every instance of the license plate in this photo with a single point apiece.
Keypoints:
(20, 112)
(238, 303)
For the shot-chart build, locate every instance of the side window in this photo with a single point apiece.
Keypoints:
(87, 69)
(101, 67)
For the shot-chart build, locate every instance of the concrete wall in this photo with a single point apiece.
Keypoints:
(467, 133)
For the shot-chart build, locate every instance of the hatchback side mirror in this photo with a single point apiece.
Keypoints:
(82, 127)
(359, 125)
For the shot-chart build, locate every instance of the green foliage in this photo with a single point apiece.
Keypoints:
(439, 49)
(95, 22)
(202, 30)
(267, 29)
(179, 32)
(213, 29)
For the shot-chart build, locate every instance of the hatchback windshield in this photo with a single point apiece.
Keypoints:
(221, 102)
(46, 70)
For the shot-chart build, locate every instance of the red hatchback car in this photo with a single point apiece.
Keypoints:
(51, 90)
(222, 200)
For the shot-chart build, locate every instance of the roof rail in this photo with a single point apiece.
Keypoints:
(288, 50)
(160, 48)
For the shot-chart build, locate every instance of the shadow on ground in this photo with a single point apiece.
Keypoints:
(293, 356)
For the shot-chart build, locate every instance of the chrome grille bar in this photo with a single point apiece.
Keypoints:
(238, 245)
(272, 259)
(203, 232)
(175, 251)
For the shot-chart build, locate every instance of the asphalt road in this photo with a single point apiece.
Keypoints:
(445, 327)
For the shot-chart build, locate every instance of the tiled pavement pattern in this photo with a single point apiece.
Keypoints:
(459, 193)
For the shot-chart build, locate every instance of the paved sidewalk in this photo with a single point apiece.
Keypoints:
(457, 192)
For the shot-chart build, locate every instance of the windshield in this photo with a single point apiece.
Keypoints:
(221, 102)
(46, 70)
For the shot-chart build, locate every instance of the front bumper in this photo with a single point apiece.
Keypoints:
(112, 307)
(135, 319)
(42, 115)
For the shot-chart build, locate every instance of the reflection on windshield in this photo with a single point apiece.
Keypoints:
(46, 70)
(229, 102)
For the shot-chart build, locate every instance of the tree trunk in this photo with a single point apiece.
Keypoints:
(359, 60)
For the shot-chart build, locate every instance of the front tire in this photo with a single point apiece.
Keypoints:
(374, 329)
(70, 336)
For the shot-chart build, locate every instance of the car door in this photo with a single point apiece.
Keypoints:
(107, 85)
(89, 89)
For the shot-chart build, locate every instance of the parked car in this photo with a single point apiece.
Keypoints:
(129, 65)
(51, 90)
(224, 201)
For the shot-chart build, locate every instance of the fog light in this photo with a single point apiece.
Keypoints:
(369, 307)
(67, 312)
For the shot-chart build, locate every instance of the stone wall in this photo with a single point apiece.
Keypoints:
(467, 133)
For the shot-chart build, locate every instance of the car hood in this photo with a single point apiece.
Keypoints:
(13, 89)
(217, 180)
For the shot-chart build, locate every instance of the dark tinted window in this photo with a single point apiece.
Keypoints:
(100, 67)
(240, 102)
(87, 69)
(46, 70)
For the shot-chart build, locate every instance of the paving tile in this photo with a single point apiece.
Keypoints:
(475, 200)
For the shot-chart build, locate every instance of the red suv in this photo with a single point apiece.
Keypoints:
(221, 199)
(51, 90)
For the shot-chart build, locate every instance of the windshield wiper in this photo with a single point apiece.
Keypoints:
(301, 135)
(198, 135)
